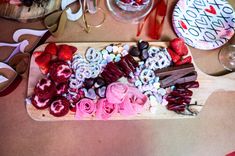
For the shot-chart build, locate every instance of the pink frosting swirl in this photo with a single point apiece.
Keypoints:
(105, 109)
(85, 108)
(116, 92)
(134, 102)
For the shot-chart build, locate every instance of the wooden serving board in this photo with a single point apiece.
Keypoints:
(208, 84)
(26, 14)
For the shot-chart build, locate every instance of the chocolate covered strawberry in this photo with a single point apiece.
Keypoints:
(62, 88)
(40, 103)
(45, 89)
(60, 71)
(179, 47)
(59, 107)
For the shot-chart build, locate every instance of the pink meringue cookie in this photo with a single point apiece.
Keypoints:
(134, 102)
(85, 108)
(116, 92)
(105, 109)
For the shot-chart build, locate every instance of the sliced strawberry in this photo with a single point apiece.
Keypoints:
(179, 46)
(43, 60)
(74, 49)
(44, 70)
(65, 53)
(37, 53)
(186, 60)
(175, 57)
(51, 48)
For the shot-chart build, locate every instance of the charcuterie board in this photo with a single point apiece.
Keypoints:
(208, 84)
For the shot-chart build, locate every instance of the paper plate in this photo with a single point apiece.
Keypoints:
(204, 24)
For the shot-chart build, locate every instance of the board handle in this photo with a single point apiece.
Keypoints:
(225, 82)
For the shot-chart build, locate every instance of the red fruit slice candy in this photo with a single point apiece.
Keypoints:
(40, 103)
(179, 46)
(59, 107)
(51, 48)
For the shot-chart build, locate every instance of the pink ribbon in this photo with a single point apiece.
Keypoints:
(105, 109)
(116, 92)
(85, 108)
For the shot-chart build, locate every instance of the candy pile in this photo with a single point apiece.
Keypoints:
(120, 98)
(90, 86)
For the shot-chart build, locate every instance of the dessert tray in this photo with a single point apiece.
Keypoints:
(207, 85)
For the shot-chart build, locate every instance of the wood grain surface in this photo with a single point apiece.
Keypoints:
(28, 14)
(208, 84)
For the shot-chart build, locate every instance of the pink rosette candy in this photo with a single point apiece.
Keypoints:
(105, 109)
(116, 92)
(85, 108)
(134, 103)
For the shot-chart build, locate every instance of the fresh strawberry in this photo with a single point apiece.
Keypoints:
(175, 57)
(43, 60)
(37, 53)
(44, 70)
(51, 48)
(74, 49)
(179, 46)
(186, 60)
(65, 53)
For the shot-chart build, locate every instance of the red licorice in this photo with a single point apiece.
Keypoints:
(180, 97)
(113, 71)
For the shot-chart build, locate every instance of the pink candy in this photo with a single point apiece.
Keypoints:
(116, 92)
(105, 109)
(85, 108)
(120, 98)
(134, 102)
(130, 99)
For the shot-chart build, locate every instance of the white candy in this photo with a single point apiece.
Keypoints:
(153, 110)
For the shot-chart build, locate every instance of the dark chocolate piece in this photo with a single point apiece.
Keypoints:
(161, 73)
(187, 78)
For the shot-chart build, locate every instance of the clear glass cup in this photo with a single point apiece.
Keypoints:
(227, 57)
(129, 13)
